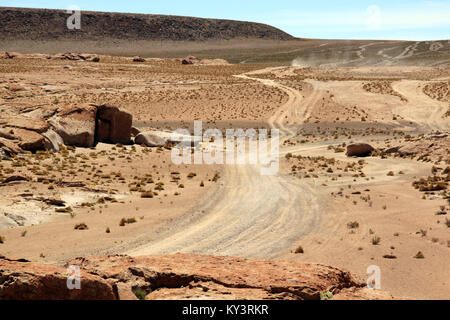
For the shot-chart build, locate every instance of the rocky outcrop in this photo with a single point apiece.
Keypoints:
(113, 125)
(359, 150)
(75, 57)
(180, 276)
(8, 55)
(30, 140)
(138, 59)
(53, 141)
(150, 139)
(9, 147)
(33, 124)
(48, 127)
(23, 280)
(191, 60)
(76, 125)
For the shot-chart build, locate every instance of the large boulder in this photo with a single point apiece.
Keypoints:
(359, 150)
(113, 125)
(150, 139)
(52, 140)
(76, 125)
(30, 140)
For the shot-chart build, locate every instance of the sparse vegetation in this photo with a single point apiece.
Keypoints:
(376, 241)
(140, 293)
(353, 225)
(81, 226)
(299, 250)
(124, 221)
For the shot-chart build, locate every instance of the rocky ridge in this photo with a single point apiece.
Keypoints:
(181, 277)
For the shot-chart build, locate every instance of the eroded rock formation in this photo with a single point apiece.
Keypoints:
(45, 128)
(180, 276)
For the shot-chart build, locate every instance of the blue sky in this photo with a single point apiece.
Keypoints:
(345, 19)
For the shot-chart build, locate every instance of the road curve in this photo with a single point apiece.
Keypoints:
(250, 215)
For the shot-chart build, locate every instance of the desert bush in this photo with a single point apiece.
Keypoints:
(124, 222)
(326, 295)
(353, 225)
(191, 175)
(81, 226)
(140, 293)
(376, 240)
(299, 250)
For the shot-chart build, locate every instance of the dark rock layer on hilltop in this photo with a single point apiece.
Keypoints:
(45, 24)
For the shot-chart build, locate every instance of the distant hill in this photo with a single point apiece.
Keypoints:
(47, 25)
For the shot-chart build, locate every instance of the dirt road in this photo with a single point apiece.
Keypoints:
(252, 215)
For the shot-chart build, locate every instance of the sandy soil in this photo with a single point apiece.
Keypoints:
(330, 205)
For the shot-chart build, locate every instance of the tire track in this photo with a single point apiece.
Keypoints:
(252, 215)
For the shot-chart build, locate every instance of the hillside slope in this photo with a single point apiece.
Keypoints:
(45, 24)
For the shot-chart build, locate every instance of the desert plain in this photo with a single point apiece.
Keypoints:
(386, 207)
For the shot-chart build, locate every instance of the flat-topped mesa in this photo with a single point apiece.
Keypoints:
(180, 276)
(26, 24)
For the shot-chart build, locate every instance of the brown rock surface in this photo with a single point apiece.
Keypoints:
(138, 59)
(22, 280)
(359, 150)
(135, 131)
(113, 125)
(183, 276)
(33, 124)
(52, 140)
(180, 276)
(76, 125)
(190, 60)
(10, 147)
(30, 140)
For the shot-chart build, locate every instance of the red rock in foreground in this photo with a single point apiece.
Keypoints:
(180, 277)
